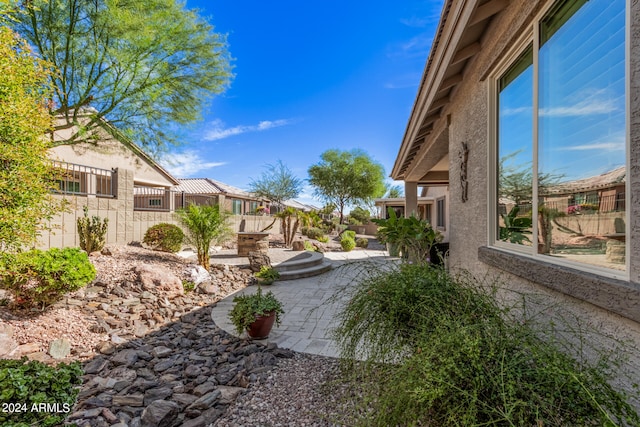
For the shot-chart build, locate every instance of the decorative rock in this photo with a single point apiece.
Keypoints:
(158, 278)
(257, 260)
(204, 388)
(96, 365)
(160, 413)
(125, 357)
(7, 344)
(198, 275)
(60, 348)
(157, 393)
(206, 401)
(209, 288)
(229, 394)
(135, 400)
(297, 245)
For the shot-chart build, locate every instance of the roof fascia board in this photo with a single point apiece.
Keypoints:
(456, 21)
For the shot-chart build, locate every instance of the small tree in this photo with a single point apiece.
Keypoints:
(360, 215)
(347, 177)
(290, 221)
(26, 175)
(206, 225)
(277, 184)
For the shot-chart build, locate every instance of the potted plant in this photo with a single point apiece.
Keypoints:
(256, 314)
(267, 275)
(388, 232)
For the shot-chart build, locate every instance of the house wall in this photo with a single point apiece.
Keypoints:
(113, 153)
(125, 225)
(557, 292)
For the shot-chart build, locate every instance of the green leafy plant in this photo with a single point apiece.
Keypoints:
(247, 307)
(323, 239)
(438, 350)
(164, 237)
(413, 237)
(206, 225)
(314, 233)
(38, 394)
(308, 246)
(188, 286)
(516, 227)
(267, 275)
(92, 231)
(362, 242)
(40, 278)
(347, 243)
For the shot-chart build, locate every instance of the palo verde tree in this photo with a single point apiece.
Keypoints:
(140, 64)
(26, 175)
(347, 177)
(277, 184)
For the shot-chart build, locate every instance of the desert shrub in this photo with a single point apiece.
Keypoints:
(440, 351)
(314, 233)
(92, 231)
(27, 388)
(308, 246)
(164, 237)
(347, 243)
(349, 233)
(40, 278)
(304, 230)
(362, 242)
(323, 239)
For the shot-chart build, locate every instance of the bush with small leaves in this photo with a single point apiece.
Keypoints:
(164, 237)
(92, 231)
(347, 243)
(323, 239)
(33, 393)
(362, 242)
(314, 233)
(40, 278)
(349, 233)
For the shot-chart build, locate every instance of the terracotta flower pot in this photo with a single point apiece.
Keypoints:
(261, 328)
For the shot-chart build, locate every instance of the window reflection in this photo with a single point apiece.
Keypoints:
(515, 138)
(581, 142)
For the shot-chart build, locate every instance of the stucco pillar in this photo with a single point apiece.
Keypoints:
(411, 199)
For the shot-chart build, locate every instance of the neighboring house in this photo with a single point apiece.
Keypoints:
(300, 206)
(107, 174)
(233, 199)
(536, 104)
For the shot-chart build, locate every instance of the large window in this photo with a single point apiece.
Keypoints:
(561, 137)
(236, 206)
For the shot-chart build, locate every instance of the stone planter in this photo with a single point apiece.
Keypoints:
(252, 241)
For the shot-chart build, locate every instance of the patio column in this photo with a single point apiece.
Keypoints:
(410, 198)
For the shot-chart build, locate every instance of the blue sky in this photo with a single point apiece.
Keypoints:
(309, 76)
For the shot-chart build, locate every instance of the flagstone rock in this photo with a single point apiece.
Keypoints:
(60, 348)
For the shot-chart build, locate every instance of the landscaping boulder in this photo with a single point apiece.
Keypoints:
(159, 279)
(257, 260)
(297, 245)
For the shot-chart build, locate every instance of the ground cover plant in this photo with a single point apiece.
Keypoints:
(32, 393)
(439, 351)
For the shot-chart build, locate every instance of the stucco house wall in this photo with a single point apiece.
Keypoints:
(606, 310)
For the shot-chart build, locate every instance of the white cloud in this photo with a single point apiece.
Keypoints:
(218, 130)
(582, 108)
(609, 146)
(187, 164)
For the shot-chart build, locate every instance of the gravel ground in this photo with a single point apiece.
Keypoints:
(304, 391)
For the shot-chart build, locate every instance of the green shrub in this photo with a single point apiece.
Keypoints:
(362, 242)
(29, 387)
(164, 237)
(314, 233)
(349, 233)
(92, 232)
(308, 246)
(323, 239)
(40, 278)
(267, 275)
(439, 351)
(347, 243)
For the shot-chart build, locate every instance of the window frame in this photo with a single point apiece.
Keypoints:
(442, 226)
(531, 36)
